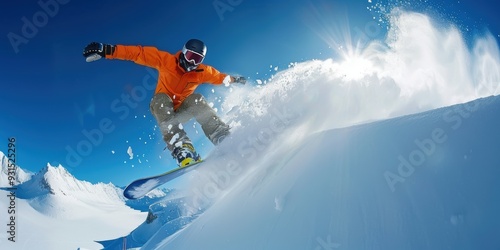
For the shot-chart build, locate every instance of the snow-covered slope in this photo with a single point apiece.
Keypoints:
(90, 222)
(425, 181)
(166, 215)
(152, 197)
(20, 175)
(298, 175)
(57, 211)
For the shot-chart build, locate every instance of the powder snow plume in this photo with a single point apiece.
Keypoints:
(418, 67)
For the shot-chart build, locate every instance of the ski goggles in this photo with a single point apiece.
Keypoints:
(192, 57)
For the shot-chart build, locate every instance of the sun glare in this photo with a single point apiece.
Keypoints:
(355, 67)
(347, 48)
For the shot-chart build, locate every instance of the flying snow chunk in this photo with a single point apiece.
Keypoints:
(174, 138)
(259, 81)
(112, 151)
(130, 153)
(227, 81)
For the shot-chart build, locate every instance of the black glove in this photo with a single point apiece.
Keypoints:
(240, 79)
(95, 51)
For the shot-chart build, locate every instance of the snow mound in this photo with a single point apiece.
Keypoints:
(424, 181)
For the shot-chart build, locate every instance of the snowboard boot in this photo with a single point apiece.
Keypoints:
(186, 155)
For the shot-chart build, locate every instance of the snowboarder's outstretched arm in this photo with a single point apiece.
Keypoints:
(151, 57)
(147, 56)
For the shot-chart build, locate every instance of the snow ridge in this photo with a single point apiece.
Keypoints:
(21, 175)
(55, 192)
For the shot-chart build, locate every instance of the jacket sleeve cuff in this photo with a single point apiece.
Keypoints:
(115, 52)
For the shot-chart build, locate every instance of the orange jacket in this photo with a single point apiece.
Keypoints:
(173, 80)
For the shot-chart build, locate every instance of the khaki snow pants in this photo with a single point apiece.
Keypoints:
(194, 106)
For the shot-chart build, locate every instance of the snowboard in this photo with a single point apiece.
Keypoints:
(141, 187)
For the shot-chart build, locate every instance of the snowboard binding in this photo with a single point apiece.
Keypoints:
(186, 155)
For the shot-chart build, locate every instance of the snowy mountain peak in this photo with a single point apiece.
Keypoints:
(57, 174)
(56, 169)
(58, 181)
(52, 178)
(53, 198)
(20, 175)
(55, 192)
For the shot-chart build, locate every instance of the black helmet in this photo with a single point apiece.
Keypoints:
(193, 53)
(196, 46)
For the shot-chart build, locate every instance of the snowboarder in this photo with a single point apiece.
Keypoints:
(174, 101)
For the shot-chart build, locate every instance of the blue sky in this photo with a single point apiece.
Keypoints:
(50, 95)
